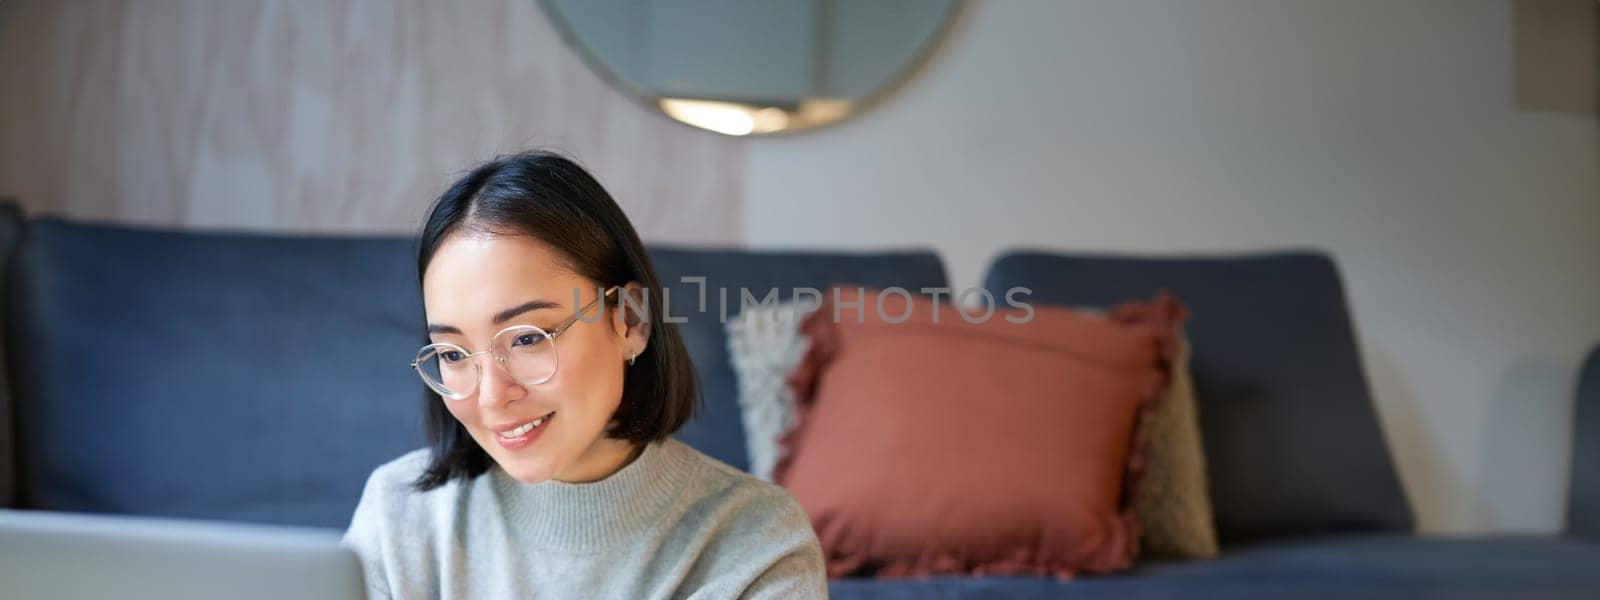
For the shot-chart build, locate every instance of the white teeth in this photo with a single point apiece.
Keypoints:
(523, 430)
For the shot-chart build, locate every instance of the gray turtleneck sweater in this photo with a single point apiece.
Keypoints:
(674, 523)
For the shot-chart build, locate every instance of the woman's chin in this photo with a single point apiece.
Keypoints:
(527, 472)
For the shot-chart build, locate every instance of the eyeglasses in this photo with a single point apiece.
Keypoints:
(527, 352)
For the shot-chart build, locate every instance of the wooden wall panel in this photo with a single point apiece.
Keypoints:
(325, 116)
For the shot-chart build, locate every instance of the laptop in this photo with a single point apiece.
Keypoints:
(50, 555)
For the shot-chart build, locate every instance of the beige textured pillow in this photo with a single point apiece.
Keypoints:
(764, 346)
(1173, 504)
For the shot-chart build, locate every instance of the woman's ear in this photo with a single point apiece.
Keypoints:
(632, 320)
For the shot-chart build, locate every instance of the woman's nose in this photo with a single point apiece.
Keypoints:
(498, 386)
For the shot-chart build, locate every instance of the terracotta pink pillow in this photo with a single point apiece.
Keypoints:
(987, 448)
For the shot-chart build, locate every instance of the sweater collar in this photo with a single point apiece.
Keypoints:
(584, 517)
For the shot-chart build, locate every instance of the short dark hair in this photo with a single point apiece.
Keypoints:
(551, 198)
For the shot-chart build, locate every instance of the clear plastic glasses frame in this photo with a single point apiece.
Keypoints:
(527, 352)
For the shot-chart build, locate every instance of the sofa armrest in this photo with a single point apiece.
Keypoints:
(10, 235)
(1583, 504)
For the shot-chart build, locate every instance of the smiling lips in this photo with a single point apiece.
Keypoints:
(517, 436)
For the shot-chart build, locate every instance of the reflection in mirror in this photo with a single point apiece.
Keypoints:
(754, 66)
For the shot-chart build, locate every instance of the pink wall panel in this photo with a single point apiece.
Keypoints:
(345, 115)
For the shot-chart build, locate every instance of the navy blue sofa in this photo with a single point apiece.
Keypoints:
(260, 378)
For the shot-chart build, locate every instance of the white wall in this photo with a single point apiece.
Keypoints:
(1383, 132)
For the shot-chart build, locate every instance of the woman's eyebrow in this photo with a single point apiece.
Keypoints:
(499, 318)
(508, 314)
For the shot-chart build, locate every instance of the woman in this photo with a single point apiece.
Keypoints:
(551, 473)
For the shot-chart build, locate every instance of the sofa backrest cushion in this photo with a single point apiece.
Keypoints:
(210, 375)
(1291, 436)
(256, 377)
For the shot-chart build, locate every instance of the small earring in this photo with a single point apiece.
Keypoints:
(631, 355)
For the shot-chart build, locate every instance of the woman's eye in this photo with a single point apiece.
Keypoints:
(526, 339)
(451, 356)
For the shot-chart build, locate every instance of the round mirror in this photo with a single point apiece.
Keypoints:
(743, 67)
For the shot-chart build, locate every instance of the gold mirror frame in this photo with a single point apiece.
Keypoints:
(743, 119)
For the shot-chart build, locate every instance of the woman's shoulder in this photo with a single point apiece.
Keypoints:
(390, 493)
(722, 476)
(400, 473)
(742, 497)
(392, 520)
(760, 538)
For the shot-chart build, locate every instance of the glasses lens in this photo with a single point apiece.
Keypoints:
(530, 354)
(447, 370)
